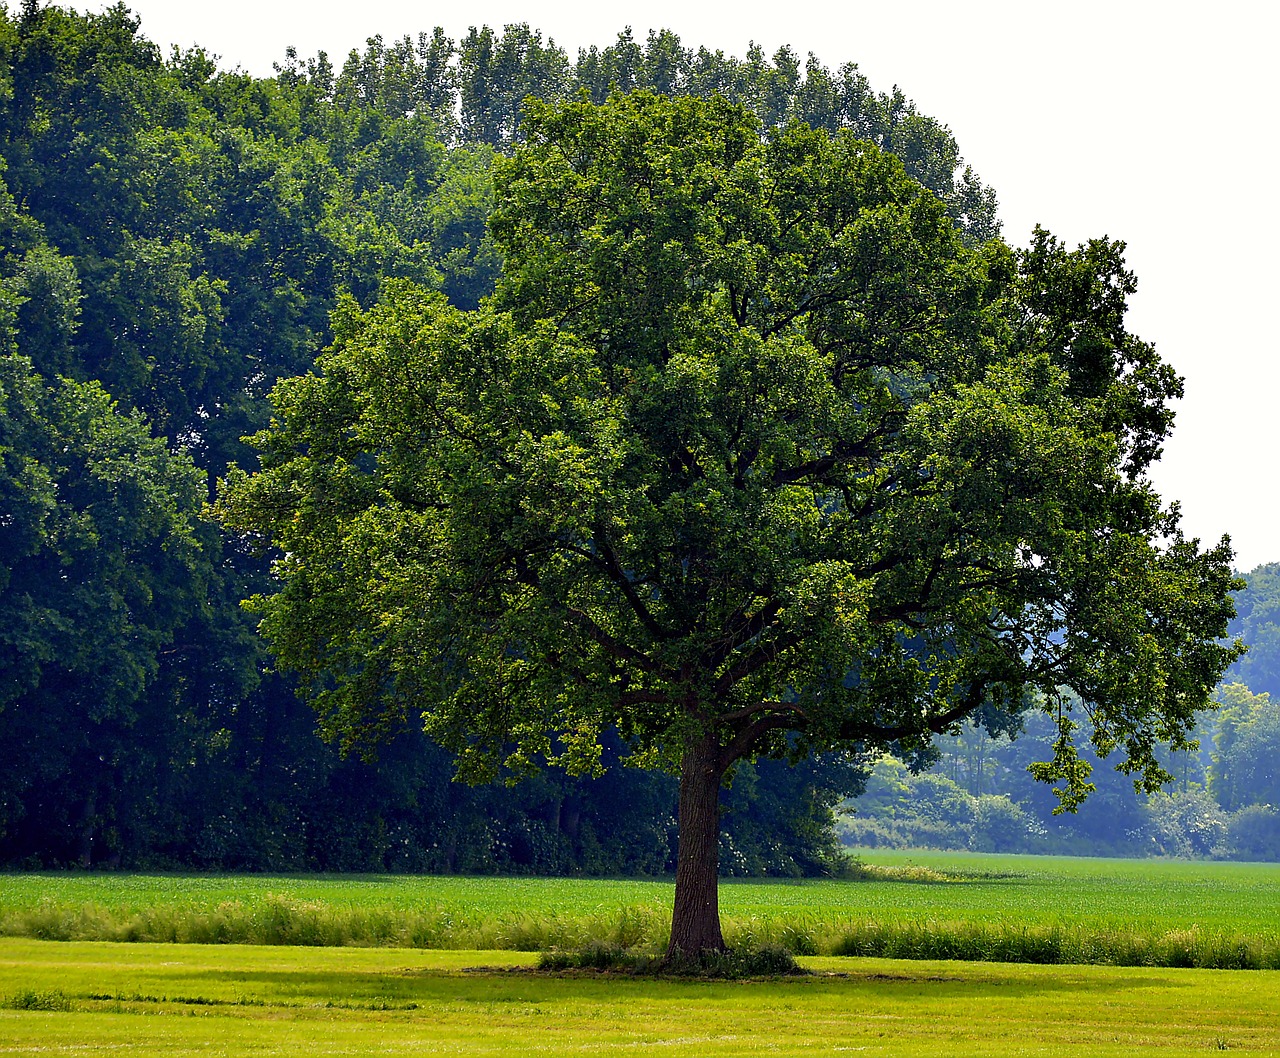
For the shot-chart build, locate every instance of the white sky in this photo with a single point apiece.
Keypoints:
(1152, 122)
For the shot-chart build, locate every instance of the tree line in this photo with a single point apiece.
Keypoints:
(1223, 801)
(174, 238)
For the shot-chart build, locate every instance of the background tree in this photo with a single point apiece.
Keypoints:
(100, 566)
(1245, 768)
(751, 456)
(1257, 622)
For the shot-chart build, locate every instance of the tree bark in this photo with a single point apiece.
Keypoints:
(695, 920)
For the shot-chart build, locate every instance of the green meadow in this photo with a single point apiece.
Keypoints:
(420, 965)
(922, 906)
(186, 1000)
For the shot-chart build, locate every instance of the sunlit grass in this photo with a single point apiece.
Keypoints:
(77, 998)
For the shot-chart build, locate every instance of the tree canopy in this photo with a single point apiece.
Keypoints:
(173, 240)
(752, 454)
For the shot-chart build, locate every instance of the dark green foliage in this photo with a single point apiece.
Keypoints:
(182, 238)
(778, 818)
(100, 568)
(211, 218)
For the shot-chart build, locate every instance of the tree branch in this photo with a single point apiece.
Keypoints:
(841, 453)
(935, 724)
(743, 742)
(612, 646)
(609, 560)
(716, 654)
(753, 662)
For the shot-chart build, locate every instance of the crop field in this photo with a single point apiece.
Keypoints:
(919, 905)
(185, 1000)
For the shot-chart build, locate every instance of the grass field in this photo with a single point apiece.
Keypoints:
(974, 885)
(922, 905)
(187, 1000)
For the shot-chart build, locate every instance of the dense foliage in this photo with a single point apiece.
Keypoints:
(173, 240)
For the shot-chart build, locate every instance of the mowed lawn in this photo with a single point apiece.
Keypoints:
(160, 999)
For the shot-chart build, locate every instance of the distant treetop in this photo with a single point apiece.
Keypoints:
(474, 89)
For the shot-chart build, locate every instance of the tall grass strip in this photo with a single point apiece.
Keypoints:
(282, 920)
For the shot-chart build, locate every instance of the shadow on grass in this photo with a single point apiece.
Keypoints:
(732, 964)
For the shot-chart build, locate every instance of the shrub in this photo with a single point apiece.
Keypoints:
(1189, 824)
(1253, 833)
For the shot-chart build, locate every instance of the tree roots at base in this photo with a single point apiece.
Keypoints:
(729, 964)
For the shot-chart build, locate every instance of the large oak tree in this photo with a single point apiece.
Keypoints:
(750, 455)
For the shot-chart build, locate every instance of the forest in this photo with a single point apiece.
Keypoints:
(174, 239)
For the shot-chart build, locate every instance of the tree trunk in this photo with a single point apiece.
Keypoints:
(695, 921)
